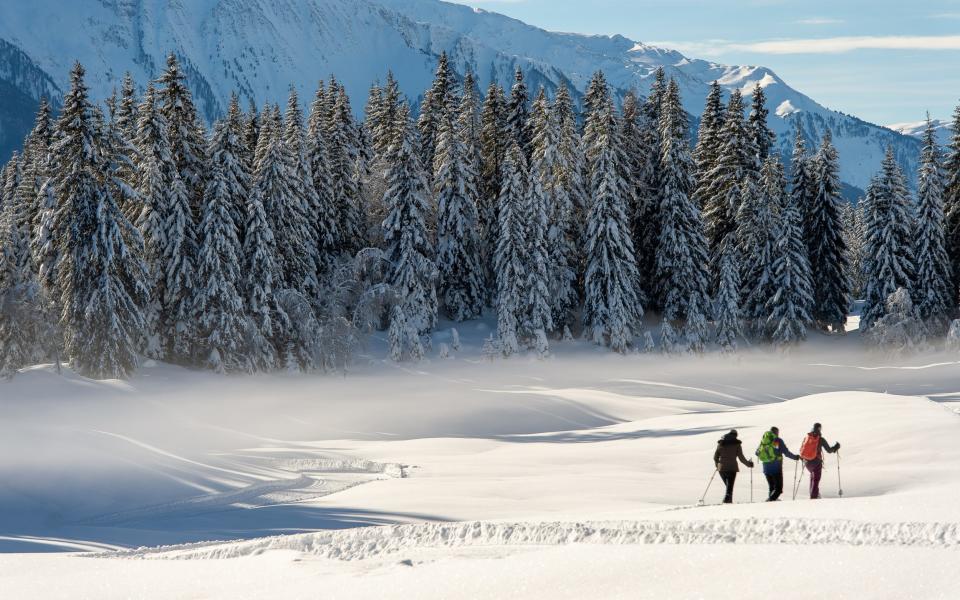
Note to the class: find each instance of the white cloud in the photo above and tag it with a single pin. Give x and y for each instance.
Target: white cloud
(819, 21)
(834, 45)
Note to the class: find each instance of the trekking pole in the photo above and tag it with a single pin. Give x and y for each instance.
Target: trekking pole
(796, 463)
(797, 488)
(751, 485)
(709, 483)
(839, 484)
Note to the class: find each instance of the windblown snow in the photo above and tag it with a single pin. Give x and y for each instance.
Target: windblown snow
(576, 476)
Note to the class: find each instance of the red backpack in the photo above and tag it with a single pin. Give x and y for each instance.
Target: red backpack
(810, 447)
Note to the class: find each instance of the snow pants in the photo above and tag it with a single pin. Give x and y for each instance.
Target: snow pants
(728, 478)
(815, 467)
(774, 485)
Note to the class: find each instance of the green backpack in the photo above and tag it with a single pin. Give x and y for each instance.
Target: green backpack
(767, 452)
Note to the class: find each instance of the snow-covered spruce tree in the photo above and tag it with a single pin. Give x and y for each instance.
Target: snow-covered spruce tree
(853, 239)
(518, 113)
(408, 246)
(460, 279)
(933, 284)
(763, 137)
(185, 132)
(251, 135)
(570, 172)
(802, 184)
(127, 117)
(305, 203)
(888, 219)
(343, 151)
(228, 141)
(266, 323)
(537, 318)
(709, 142)
(37, 148)
(21, 304)
(386, 127)
(652, 109)
(326, 228)
(550, 170)
(469, 127)
(612, 310)
(736, 161)
(726, 307)
(681, 257)
(510, 261)
(46, 251)
(166, 226)
(12, 175)
(951, 206)
(35, 168)
(36, 198)
(493, 138)
(101, 278)
(276, 183)
(595, 101)
(757, 240)
(117, 152)
(155, 174)
(638, 172)
(219, 306)
(824, 224)
(374, 106)
(789, 308)
(438, 101)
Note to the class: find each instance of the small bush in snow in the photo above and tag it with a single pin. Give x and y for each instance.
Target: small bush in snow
(490, 348)
(455, 339)
(953, 336)
(900, 331)
(648, 344)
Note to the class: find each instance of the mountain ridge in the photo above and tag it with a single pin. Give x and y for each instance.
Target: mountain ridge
(261, 47)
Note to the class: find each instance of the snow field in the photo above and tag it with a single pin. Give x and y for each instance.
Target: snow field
(571, 477)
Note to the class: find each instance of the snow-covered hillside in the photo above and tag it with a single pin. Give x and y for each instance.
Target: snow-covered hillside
(261, 47)
(915, 129)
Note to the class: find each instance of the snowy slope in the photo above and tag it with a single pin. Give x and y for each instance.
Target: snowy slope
(944, 129)
(260, 47)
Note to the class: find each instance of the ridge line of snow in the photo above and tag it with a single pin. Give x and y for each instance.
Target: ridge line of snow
(371, 542)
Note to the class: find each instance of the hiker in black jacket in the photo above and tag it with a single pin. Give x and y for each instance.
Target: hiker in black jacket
(729, 451)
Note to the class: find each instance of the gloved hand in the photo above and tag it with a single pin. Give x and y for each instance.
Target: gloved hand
(836, 446)
(750, 463)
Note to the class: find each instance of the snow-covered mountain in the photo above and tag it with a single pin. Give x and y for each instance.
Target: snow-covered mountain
(943, 128)
(261, 47)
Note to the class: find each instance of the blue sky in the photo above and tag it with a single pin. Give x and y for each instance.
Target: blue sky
(886, 61)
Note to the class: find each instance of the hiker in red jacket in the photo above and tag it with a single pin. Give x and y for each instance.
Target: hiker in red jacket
(729, 451)
(811, 451)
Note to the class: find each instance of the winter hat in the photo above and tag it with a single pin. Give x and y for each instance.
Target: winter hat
(732, 433)
(817, 426)
(775, 429)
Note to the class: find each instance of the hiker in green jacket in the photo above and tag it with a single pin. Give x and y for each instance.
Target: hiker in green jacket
(771, 451)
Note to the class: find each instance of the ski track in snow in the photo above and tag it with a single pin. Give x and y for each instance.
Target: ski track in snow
(300, 488)
(374, 542)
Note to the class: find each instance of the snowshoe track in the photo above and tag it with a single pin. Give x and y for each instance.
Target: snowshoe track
(372, 542)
